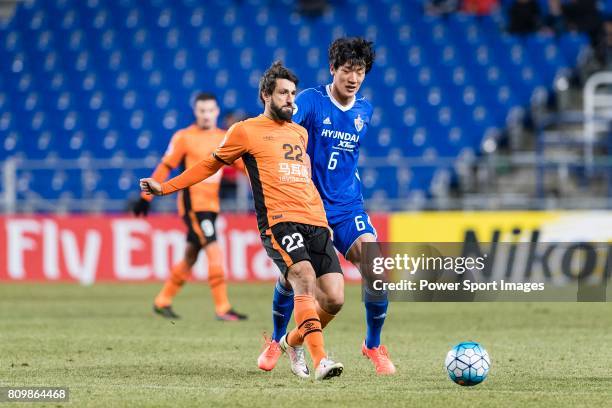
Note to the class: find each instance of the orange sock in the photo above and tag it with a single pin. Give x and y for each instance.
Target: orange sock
(178, 275)
(295, 339)
(216, 279)
(324, 316)
(309, 326)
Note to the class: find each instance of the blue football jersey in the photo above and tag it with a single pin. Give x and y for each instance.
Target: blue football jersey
(334, 134)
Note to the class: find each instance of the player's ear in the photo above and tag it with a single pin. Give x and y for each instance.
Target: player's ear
(332, 70)
(265, 97)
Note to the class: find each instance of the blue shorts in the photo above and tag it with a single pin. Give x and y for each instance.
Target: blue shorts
(349, 226)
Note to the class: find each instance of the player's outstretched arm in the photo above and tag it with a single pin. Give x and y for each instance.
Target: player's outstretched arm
(189, 177)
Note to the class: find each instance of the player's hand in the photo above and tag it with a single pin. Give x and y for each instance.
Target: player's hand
(141, 207)
(150, 186)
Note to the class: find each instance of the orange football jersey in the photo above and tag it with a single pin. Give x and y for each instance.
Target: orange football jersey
(274, 154)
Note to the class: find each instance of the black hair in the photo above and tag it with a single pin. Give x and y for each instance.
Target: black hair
(277, 70)
(204, 96)
(355, 51)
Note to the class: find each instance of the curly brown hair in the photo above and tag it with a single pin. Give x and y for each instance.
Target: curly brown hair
(277, 70)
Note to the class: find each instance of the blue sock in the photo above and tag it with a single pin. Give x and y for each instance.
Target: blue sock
(282, 307)
(376, 312)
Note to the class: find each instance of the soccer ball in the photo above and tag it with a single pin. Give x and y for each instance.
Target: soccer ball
(467, 363)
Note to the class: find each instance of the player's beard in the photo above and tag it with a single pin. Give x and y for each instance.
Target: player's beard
(204, 124)
(281, 114)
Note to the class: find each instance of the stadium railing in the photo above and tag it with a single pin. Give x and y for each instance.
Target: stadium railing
(490, 182)
(26, 186)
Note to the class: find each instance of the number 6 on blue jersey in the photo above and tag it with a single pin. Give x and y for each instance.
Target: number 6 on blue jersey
(359, 223)
(333, 162)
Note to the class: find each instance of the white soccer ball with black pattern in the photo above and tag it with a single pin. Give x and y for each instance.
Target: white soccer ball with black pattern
(467, 363)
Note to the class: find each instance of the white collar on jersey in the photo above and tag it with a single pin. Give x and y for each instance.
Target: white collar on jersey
(335, 102)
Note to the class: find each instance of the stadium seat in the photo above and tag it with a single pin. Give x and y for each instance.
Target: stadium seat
(112, 82)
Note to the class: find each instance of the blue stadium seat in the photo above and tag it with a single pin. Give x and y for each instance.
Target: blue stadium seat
(93, 79)
(572, 45)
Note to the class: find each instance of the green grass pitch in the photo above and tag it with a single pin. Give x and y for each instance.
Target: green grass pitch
(105, 344)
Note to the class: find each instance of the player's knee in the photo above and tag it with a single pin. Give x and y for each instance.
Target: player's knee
(334, 303)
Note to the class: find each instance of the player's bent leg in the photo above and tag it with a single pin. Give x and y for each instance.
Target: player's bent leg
(330, 281)
(329, 300)
(178, 276)
(376, 311)
(298, 266)
(301, 275)
(331, 296)
(302, 278)
(282, 304)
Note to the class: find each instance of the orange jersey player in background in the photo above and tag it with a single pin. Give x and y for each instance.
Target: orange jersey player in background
(198, 205)
(290, 213)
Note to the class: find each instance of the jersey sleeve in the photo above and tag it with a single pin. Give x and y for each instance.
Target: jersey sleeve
(234, 145)
(191, 176)
(175, 151)
(303, 111)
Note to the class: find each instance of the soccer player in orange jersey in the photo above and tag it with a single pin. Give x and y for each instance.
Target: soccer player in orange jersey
(198, 206)
(290, 212)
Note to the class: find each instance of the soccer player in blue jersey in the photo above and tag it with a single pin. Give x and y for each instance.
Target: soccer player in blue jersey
(336, 117)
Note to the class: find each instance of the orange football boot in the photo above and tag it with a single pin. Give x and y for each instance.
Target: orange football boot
(380, 358)
(269, 356)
